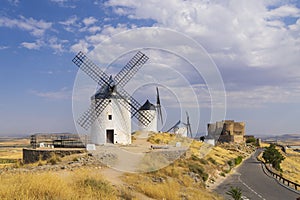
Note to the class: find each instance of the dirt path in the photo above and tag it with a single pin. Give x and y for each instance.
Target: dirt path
(114, 177)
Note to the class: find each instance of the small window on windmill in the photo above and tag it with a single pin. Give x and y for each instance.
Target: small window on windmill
(109, 117)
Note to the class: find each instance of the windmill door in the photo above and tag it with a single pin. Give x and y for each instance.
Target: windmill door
(110, 136)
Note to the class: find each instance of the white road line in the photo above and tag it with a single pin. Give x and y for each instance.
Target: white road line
(260, 196)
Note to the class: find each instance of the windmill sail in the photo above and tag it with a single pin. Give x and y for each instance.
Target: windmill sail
(101, 78)
(188, 125)
(158, 105)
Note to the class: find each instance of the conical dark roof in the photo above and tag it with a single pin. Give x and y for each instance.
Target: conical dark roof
(106, 91)
(148, 106)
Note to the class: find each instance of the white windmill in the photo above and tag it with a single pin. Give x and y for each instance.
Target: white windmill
(181, 128)
(111, 109)
(150, 109)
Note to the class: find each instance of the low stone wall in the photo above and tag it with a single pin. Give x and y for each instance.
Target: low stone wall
(34, 155)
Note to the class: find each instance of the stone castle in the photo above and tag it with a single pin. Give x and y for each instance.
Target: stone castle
(227, 131)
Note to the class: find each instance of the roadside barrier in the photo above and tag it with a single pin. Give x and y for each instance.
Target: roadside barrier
(290, 184)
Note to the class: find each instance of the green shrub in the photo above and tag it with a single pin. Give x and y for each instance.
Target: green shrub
(251, 140)
(196, 168)
(204, 177)
(238, 160)
(235, 193)
(203, 161)
(193, 167)
(54, 159)
(157, 141)
(230, 163)
(213, 161)
(195, 158)
(273, 156)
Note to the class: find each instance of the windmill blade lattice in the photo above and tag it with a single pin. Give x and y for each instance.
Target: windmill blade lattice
(89, 116)
(130, 69)
(134, 106)
(92, 70)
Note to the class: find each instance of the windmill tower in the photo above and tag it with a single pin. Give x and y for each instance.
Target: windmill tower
(114, 121)
(181, 128)
(111, 106)
(150, 109)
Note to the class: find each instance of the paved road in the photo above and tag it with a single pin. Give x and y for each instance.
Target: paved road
(255, 184)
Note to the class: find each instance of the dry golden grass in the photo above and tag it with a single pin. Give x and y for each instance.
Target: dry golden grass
(263, 144)
(221, 156)
(291, 166)
(176, 181)
(11, 153)
(78, 184)
(11, 149)
(176, 185)
(169, 138)
(14, 142)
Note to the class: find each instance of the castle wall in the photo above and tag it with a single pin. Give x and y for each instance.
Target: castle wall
(227, 131)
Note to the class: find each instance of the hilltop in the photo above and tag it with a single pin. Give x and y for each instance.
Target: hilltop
(191, 176)
(282, 138)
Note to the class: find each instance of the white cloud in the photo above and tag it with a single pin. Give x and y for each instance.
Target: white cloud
(32, 45)
(70, 21)
(257, 35)
(64, 3)
(71, 24)
(94, 29)
(56, 44)
(284, 11)
(3, 47)
(35, 27)
(262, 96)
(89, 21)
(235, 33)
(63, 93)
(82, 45)
(53, 43)
(14, 2)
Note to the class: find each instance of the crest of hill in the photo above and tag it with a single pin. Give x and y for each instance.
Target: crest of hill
(199, 168)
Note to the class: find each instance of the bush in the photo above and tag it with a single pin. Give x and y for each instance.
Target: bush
(251, 140)
(273, 156)
(198, 170)
(195, 158)
(235, 193)
(54, 159)
(203, 161)
(204, 177)
(213, 161)
(238, 160)
(230, 163)
(157, 141)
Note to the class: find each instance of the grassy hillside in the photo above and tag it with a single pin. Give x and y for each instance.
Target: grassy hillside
(291, 166)
(189, 175)
(187, 178)
(78, 184)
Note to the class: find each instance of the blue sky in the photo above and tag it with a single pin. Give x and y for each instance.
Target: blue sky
(255, 45)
